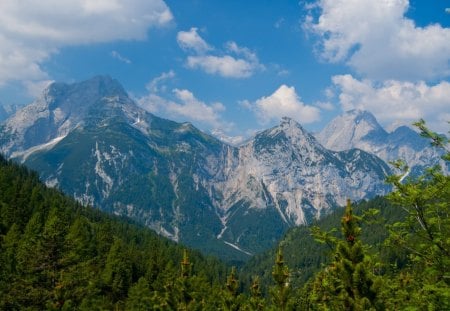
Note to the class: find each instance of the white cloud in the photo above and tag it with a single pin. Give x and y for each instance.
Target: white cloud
(118, 56)
(397, 101)
(194, 109)
(186, 107)
(284, 102)
(325, 106)
(35, 88)
(30, 33)
(191, 40)
(376, 39)
(243, 64)
(232, 140)
(225, 66)
(154, 85)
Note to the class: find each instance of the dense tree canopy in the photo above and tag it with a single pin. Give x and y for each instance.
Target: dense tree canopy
(391, 254)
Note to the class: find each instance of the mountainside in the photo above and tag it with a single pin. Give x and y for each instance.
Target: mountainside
(58, 255)
(7, 110)
(93, 142)
(359, 129)
(284, 177)
(303, 253)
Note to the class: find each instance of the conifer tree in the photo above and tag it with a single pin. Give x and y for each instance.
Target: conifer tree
(256, 299)
(8, 270)
(139, 296)
(348, 283)
(282, 290)
(78, 263)
(231, 299)
(186, 266)
(424, 234)
(117, 274)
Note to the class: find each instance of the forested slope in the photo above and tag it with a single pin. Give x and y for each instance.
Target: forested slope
(305, 255)
(57, 254)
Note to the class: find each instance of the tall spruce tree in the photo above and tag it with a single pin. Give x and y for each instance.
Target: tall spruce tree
(256, 299)
(348, 282)
(231, 299)
(281, 292)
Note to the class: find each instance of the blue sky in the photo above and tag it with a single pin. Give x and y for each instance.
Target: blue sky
(235, 67)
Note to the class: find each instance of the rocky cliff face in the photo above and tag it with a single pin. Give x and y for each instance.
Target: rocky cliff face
(360, 129)
(93, 142)
(286, 173)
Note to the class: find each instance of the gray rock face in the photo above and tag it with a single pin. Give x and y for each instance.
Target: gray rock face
(55, 113)
(93, 142)
(359, 129)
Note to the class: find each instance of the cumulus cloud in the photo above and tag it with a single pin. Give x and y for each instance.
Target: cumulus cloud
(376, 39)
(186, 107)
(155, 86)
(397, 101)
(34, 88)
(325, 106)
(30, 33)
(234, 62)
(225, 66)
(283, 102)
(191, 40)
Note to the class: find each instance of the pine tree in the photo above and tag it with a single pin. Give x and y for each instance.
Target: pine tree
(186, 266)
(424, 234)
(8, 270)
(139, 296)
(231, 299)
(78, 263)
(256, 299)
(117, 274)
(348, 283)
(282, 290)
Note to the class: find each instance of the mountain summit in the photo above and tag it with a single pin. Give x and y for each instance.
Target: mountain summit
(359, 129)
(59, 109)
(93, 142)
(351, 130)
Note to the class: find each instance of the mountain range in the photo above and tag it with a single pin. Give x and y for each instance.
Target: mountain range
(359, 129)
(92, 141)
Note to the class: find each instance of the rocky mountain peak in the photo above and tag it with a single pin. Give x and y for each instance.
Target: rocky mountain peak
(78, 96)
(61, 107)
(359, 129)
(289, 129)
(354, 125)
(92, 141)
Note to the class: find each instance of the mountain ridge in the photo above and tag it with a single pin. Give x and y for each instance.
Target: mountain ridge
(359, 129)
(179, 181)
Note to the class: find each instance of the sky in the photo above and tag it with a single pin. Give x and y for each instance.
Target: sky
(235, 67)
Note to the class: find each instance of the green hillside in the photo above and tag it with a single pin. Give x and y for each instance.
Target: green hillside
(305, 256)
(386, 254)
(57, 254)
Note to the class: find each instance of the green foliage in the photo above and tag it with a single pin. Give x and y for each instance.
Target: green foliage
(347, 283)
(281, 291)
(58, 255)
(425, 233)
(256, 300)
(305, 256)
(231, 300)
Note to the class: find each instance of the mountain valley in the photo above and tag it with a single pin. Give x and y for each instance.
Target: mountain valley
(92, 141)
